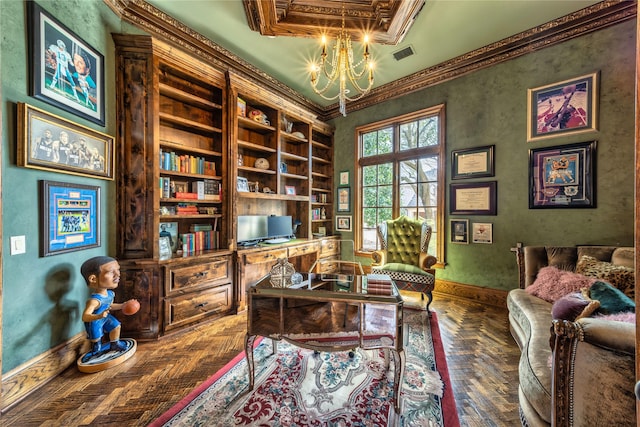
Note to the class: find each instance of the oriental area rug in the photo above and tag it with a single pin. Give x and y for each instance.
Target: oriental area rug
(297, 387)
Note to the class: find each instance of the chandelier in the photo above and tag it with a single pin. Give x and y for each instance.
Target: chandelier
(341, 68)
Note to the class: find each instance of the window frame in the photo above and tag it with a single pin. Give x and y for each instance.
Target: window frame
(396, 157)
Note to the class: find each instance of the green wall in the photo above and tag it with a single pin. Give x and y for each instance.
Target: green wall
(489, 107)
(43, 297)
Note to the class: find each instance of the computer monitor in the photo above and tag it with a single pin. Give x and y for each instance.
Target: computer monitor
(280, 226)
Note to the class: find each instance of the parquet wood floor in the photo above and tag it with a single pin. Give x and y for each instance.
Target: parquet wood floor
(482, 359)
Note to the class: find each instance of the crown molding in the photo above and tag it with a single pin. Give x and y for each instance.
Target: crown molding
(590, 19)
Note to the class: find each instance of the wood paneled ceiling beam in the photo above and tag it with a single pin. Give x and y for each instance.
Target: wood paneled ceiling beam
(386, 22)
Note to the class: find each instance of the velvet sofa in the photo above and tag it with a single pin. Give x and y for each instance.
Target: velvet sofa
(577, 372)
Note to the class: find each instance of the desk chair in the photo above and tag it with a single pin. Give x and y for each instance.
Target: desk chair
(404, 257)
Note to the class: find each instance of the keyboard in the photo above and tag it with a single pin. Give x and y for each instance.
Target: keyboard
(278, 240)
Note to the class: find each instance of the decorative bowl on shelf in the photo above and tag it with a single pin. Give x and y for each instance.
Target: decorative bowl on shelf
(298, 135)
(261, 163)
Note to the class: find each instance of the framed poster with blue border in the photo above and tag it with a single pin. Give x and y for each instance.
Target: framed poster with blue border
(65, 71)
(70, 217)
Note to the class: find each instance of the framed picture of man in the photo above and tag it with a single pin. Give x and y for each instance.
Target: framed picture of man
(65, 71)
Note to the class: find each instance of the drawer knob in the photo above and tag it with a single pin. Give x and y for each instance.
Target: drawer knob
(202, 274)
(201, 305)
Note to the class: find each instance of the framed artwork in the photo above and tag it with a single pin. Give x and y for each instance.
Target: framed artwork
(482, 232)
(50, 142)
(164, 246)
(344, 178)
(170, 231)
(459, 231)
(65, 71)
(563, 108)
(562, 176)
(343, 222)
(290, 190)
(243, 185)
(70, 217)
(478, 198)
(344, 199)
(472, 162)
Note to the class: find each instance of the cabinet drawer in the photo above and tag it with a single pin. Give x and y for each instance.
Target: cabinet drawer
(194, 306)
(303, 250)
(266, 256)
(329, 247)
(211, 273)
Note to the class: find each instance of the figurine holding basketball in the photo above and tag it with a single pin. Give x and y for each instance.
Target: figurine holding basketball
(102, 275)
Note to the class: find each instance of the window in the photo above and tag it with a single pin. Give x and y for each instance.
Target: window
(400, 171)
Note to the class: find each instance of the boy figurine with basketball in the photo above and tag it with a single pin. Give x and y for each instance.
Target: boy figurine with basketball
(102, 274)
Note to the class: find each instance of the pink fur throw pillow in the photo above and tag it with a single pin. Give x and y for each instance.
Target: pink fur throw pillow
(552, 283)
(618, 317)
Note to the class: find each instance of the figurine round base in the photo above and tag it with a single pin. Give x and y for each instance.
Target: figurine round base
(107, 359)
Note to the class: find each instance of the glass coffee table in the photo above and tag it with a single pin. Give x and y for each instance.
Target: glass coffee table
(329, 312)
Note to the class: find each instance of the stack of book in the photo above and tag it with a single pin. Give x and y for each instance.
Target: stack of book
(187, 209)
(379, 284)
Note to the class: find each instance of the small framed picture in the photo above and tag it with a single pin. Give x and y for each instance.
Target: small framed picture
(344, 199)
(472, 162)
(476, 198)
(165, 248)
(343, 222)
(170, 231)
(322, 231)
(344, 178)
(460, 231)
(70, 217)
(289, 190)
(482, 232)
(243, 185)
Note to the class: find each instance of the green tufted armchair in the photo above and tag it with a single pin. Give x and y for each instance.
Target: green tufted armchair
(404, 256)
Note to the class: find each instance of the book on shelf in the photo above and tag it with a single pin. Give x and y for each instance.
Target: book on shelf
(200, 241)
(181, 195)
(185, 163)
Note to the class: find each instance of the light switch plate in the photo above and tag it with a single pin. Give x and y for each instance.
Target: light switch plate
(18, 245)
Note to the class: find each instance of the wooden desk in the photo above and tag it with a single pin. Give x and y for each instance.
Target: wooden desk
(256, 262)
(304, 315)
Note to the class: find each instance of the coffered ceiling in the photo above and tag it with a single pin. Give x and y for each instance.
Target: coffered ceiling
(281, 37)
(386, 22)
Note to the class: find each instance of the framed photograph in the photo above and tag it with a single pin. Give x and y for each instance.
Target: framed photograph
(563, 108)
(65, 71)
(460, 231)
(482, 232)
(344, 199)
(562, 176)
(290, 190)
(343, 222)
(478, 198)
(170, 231)
(344, 178)
(52, 143)
(472, 162)
(70, 217)
(164, 246)
(243, 185)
